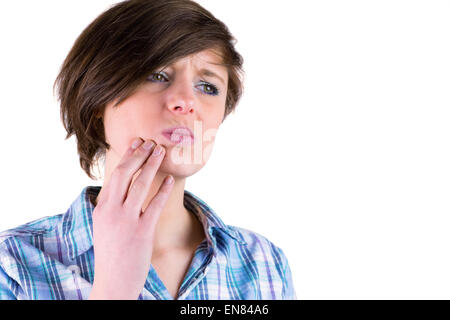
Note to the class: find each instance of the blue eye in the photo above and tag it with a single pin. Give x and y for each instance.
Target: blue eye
(210, 89)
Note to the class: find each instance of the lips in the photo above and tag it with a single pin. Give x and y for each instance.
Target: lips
(179, 134)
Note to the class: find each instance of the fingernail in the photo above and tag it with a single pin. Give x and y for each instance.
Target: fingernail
(148, 145)
(169, 180)
(158, 150)
(136, 143)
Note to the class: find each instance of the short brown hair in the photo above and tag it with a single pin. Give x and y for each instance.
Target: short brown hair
(119, 50)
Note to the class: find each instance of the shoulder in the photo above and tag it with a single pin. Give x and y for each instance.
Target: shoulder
(252, 238)
(27, 231)
(20, 249)
(261, 248)
(265, 261)
(26, 254)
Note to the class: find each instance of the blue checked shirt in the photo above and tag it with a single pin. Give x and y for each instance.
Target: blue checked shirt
(52, 258)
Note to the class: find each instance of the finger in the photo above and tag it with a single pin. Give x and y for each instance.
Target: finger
(133, 159)
(140, 187)
(151, 214)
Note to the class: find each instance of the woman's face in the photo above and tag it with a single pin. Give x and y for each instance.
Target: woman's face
(181, 94)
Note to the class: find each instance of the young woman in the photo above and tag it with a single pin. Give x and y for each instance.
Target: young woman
(145, 87)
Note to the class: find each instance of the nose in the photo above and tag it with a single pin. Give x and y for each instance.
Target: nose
(180, 98)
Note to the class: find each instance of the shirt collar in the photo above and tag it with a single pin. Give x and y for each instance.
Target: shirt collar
(210, 220)
(77, 222)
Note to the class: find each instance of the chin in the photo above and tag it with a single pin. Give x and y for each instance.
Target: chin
(179, 166)
(180, 170)
(185, 160)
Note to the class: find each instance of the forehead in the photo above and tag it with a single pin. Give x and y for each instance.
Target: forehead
(208, 57)
(207, 62)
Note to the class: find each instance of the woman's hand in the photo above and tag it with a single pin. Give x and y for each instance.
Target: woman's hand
(123, 233)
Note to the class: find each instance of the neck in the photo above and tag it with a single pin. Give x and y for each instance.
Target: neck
(177, 227)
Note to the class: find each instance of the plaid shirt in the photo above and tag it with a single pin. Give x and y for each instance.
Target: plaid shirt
(52, 258)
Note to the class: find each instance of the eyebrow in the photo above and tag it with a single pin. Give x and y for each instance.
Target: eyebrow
(209, 73)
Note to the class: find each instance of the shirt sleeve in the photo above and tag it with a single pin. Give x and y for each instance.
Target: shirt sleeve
(288, 285)
(5, 284)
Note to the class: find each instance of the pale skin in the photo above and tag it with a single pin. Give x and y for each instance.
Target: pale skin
(165, 233)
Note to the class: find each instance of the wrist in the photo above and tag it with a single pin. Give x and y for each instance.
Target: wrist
(101, 292)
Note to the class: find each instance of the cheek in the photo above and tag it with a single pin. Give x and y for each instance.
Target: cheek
(209, 135)
(208, 128)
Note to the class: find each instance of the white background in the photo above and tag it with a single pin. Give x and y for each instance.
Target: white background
(338, 151)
